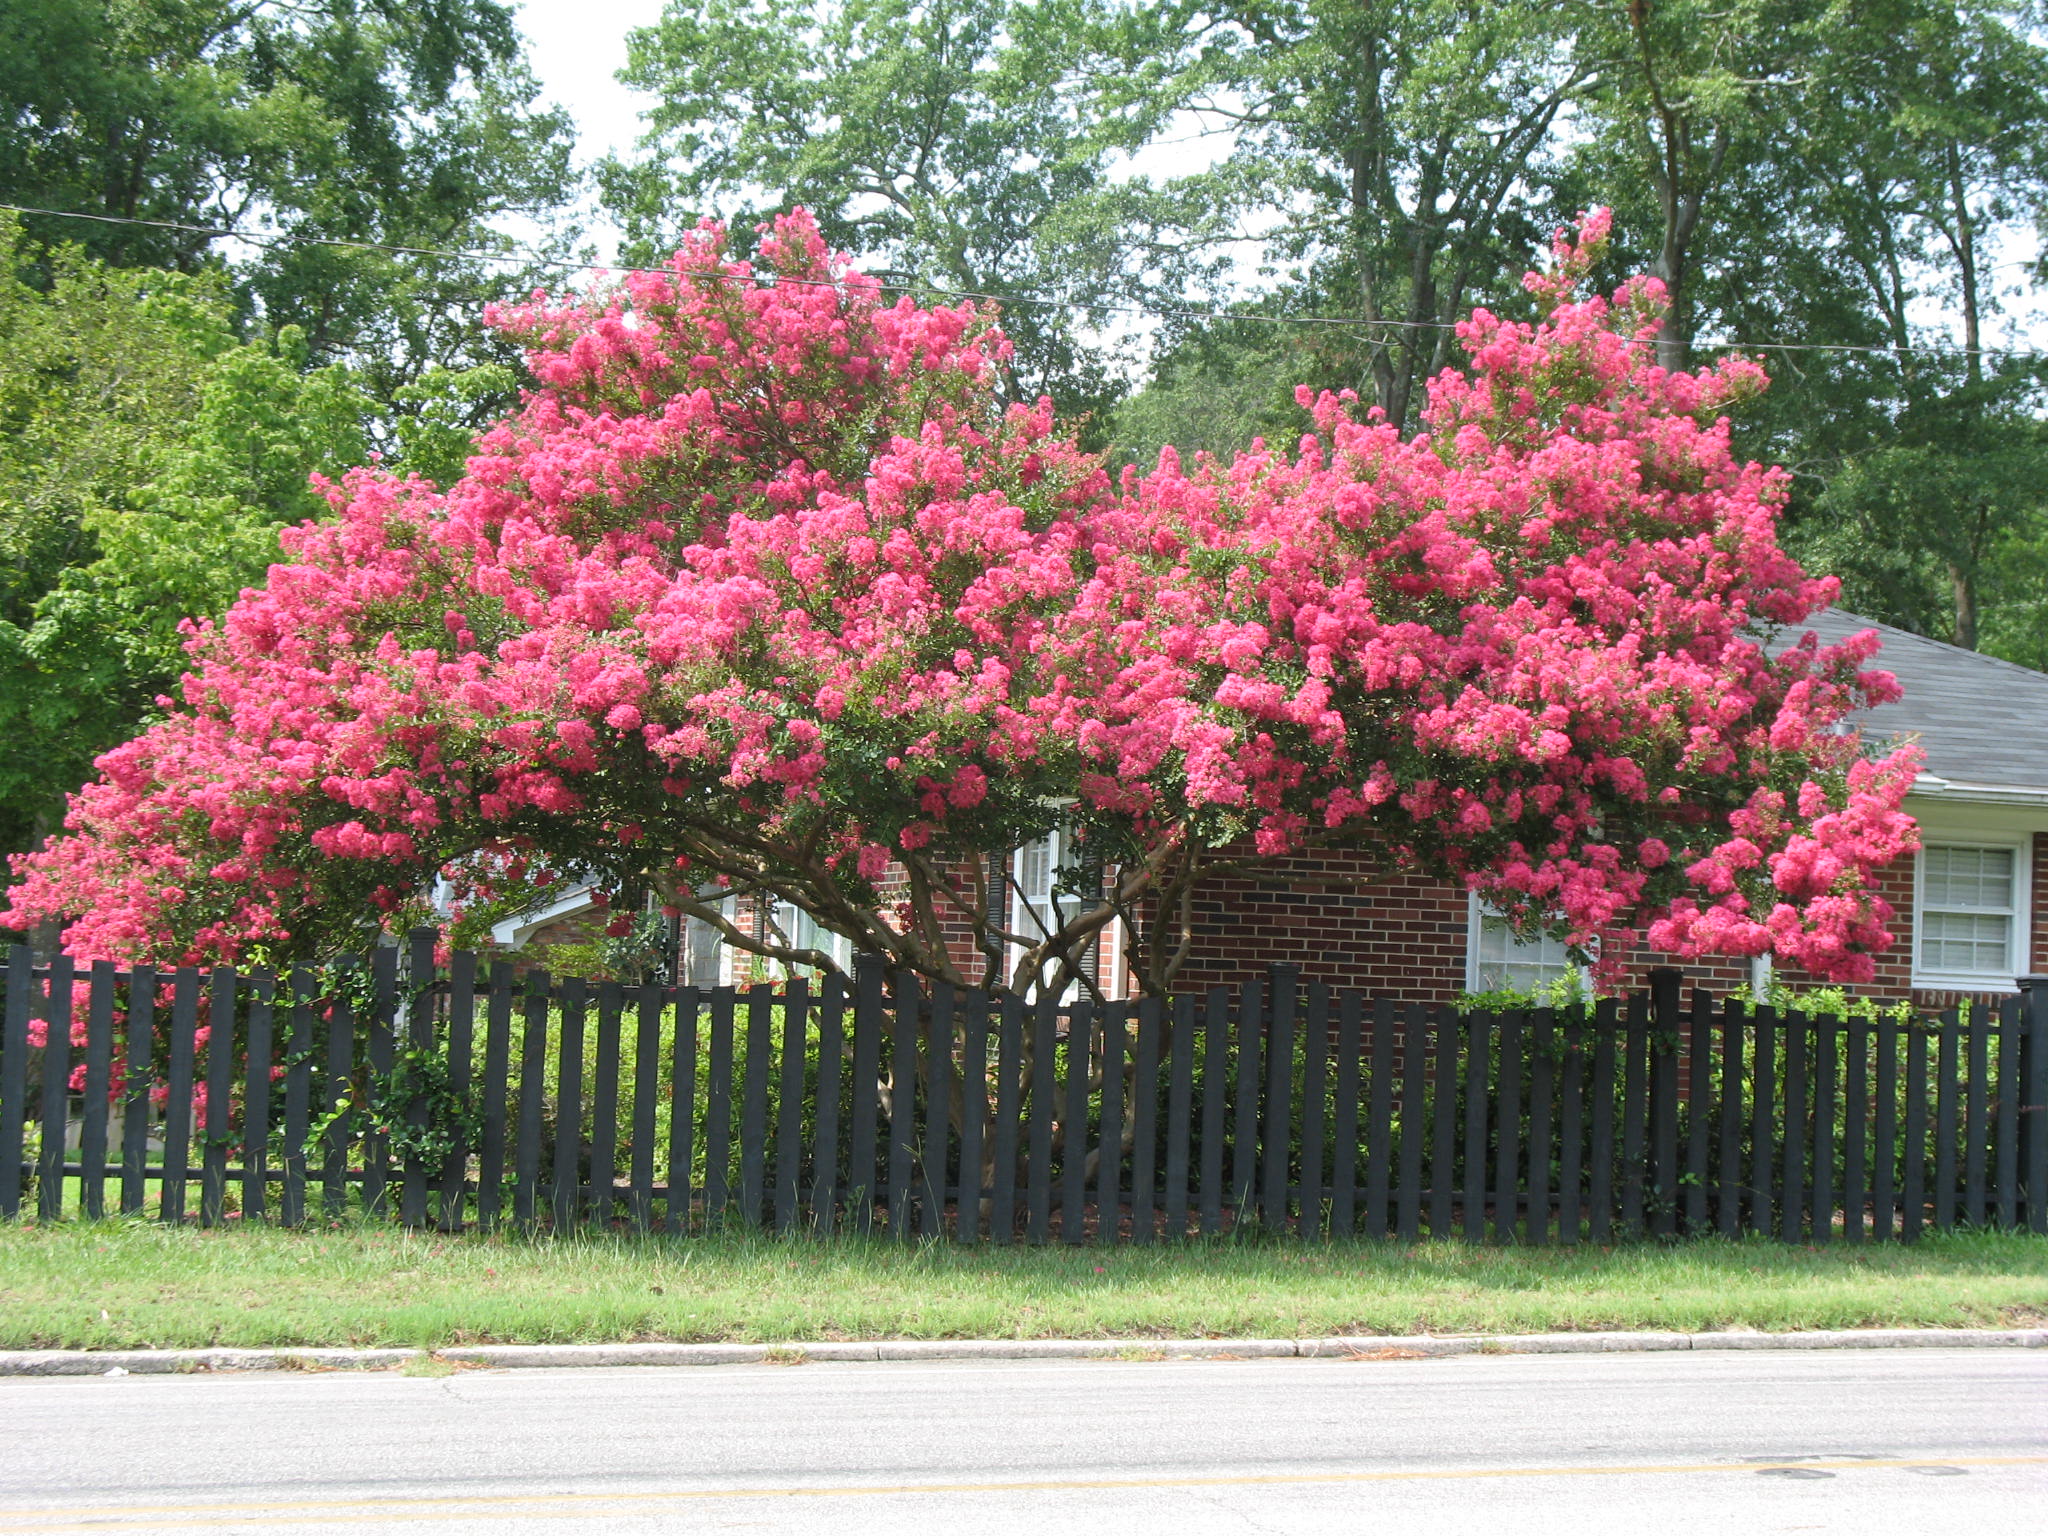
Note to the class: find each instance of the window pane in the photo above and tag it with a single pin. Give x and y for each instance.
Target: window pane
(1506, 961)
(1965, 941)
(1034, 871)
(1968, 877)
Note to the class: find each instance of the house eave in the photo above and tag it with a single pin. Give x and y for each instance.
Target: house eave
(1933, 787)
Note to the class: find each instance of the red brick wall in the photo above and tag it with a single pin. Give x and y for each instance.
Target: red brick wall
(1340, 920)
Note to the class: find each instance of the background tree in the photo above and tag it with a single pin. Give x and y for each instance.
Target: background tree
(395, 122)
(148, 460)
(944, 143)
(1394, 155)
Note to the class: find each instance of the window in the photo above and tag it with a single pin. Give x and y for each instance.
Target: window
(1498, 959)
(1968, 908)
(1038, 868)
(803, 931)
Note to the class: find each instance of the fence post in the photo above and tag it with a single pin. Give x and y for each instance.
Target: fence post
(2033, 1149)
(1665, 1021)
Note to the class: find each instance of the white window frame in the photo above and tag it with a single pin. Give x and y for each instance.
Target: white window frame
(2019, 932)
(1477, 910)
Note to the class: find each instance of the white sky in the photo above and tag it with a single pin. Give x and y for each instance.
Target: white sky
(578, 48)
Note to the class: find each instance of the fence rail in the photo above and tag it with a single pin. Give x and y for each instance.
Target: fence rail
(446, 1097)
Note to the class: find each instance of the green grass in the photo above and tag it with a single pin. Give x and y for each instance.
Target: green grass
(135, 1284)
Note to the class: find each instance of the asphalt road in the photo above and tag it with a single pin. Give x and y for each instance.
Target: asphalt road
(1908, 1441)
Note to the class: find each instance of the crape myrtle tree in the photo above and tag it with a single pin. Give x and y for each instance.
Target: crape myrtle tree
(765, 592)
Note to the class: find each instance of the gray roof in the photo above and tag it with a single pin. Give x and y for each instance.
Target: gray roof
(1981, 721)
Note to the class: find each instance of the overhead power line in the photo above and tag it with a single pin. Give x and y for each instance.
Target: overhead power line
(1350, 322)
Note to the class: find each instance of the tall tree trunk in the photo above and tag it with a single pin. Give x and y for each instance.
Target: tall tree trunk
(1964, 586)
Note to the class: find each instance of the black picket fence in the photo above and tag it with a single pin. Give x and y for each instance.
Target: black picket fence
(445, 1098)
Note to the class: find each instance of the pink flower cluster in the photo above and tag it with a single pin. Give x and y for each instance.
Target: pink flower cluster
(765, 560)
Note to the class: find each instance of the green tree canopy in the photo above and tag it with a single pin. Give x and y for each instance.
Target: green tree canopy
(398, 122)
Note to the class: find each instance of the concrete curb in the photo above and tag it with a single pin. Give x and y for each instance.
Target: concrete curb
(157, 1362)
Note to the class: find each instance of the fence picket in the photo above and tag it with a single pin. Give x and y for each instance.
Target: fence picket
(418, 1009)
(1600, 1160)
(904, 1014)
(1044, 1062)
(1728, 1197)
(1913, 1201)
(718, 1049)
(1855, 1132)
(1571, 1131)
(1414, 1117)
(1763, 1149)
(179, 1069)
(754, 1103)
(1945, 1123)
(1884, 1133)
(1508, 1129)
(490, 1173)
(381, 1052)
(789, 1103)
(56, 1088)
(99, 1065)
(1278, 1124)
(218, 1128)
(1792, 1175)
(1109, 1141)
(601, 1193)
(255, 1098)
(938, 1093)
(1244, 1150)
(2007, 1165)
(1215, 1046)
(1145, 1122)
(2036, 1094)
(1478, 1031)
(974, 1180)
(454, 1181)
(1345, 1140)
(140, 1059)
(1699, 1093)
(21, 980)
(1825, 1039)
(867, 1067)
(1542, 1045)
(2036, 1058)
(533, 1057)
(1179, 1114)
(1443, 1172)
(337, 1096)
(1661, 1053)
(1074, 1121)
(647, 1012)
(1975, 1139)
(825, 1130)
(1635, 1114)
(567, 1184)
(1314, 1108)
(298, 1096)
(1002, 1200)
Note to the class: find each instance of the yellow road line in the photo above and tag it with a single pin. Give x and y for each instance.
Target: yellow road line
(537, 1505)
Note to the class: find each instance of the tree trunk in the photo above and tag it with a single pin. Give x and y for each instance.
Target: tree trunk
(1964, 587)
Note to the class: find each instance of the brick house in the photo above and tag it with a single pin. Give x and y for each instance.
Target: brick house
(1972, 905)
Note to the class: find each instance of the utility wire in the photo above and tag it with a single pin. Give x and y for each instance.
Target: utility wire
(1349, 322)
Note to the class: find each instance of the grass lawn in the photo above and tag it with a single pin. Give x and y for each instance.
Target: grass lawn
(136, 1284)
